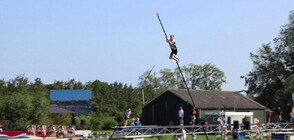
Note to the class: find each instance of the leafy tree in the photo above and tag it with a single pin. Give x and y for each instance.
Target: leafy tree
(285, 44)
(286, 96)
(265, 81)
(207, 77)
(167, 79)
(41, 102)
(73, 84)
(18, 108)
(102, 97)
(20, 83)
(192, 75)
(41, 108)
(148, 78)
(270, 79)
(57, 85)
(3, 87)
(150, 85)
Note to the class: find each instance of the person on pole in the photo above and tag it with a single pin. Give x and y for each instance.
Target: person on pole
(173, 47)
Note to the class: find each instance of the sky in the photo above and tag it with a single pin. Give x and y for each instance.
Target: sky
(120, 40)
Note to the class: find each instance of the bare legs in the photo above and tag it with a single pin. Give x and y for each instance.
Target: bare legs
(173, 56)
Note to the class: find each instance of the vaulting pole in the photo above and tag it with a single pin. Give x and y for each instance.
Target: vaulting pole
(176, 61)
(181, 72)
(161, 26)
(186, 84)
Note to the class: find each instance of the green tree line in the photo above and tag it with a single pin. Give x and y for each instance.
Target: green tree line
(23, 102)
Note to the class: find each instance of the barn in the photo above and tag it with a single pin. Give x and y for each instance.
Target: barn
(163, 110)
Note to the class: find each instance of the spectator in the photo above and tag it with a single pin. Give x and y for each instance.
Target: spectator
(279, 112)
(181, 115)
(1, 129)
(194, 116)
(269, 115)
(127, 116)
(137, 121)
(184, 134)
(292, 116)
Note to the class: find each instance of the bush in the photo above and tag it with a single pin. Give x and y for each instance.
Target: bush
(108, 123)
(95, 124)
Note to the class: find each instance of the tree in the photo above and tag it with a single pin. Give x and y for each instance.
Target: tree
(148, 78)
(3, 87)
(210, 77)
(207, 77)
(41, 102)
(265, 80)
(285, 44)
(167, 79)
(18, 84)
(18, 108)
(150, 85)
(286, 96)
(191, 74)
(270, 79)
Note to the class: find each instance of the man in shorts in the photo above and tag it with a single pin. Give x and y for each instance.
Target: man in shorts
(127, 116)
(173, 47)
(181, 116)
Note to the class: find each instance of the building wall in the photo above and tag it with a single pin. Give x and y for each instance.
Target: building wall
(260, 114)
(164, 110)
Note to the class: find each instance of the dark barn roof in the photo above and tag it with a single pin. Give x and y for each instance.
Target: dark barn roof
(209, 99)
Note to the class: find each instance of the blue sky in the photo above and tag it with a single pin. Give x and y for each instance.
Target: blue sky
(69, 95)
(120, 40)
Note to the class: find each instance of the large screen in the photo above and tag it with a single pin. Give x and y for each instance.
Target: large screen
(78, 101)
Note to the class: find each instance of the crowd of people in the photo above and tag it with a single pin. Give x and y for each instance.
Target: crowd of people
(135, 119)
(271, 116)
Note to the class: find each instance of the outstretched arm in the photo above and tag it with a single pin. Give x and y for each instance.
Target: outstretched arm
(169, 42)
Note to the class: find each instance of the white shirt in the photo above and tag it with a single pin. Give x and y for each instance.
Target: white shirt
(292, 115)
(181, 113)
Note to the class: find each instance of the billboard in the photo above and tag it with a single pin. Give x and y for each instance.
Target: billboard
(78, 101)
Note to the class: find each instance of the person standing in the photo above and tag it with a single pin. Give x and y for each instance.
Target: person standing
(279, 112)
(1, 129)
(194, 115)
(184, 134)
(127, 116)
(181, 115)
(269, 115)
(292, 116)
